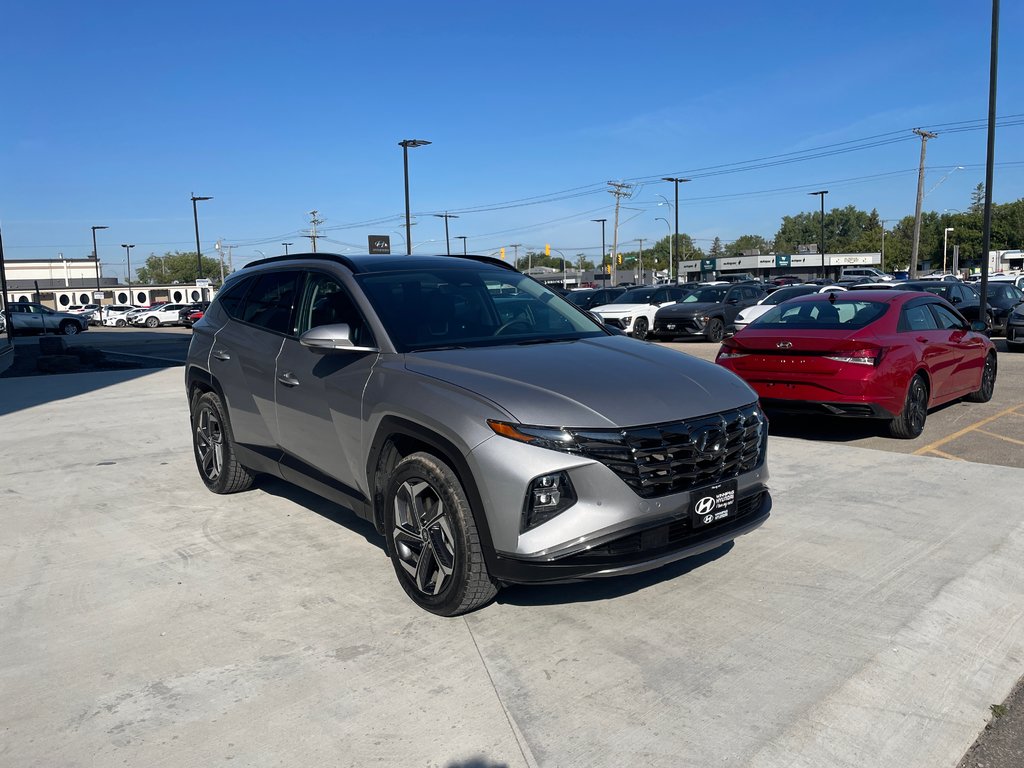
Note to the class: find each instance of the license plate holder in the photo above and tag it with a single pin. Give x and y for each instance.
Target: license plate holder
(713, 504)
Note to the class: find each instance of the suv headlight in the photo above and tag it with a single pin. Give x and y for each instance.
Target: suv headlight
(547, 496)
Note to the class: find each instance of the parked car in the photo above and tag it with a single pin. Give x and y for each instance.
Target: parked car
(475, 418)
(633, 311)
(860, 273)
(785, 293)
(192, 312)
(30, 317)
(1001, 298)
(889, 355)
(709, 311)
(787, 280)
(944, 276)
(588, 298)
(1015, 329)
(116, 315)
(165, 314)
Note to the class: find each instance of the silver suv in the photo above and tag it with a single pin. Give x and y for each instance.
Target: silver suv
(490, 430)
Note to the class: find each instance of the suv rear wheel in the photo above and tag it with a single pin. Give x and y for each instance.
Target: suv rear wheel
(432, 538)
(214, 447)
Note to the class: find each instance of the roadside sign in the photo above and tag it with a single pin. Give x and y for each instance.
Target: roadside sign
(97, 294)
(202, 282)
(379, 243)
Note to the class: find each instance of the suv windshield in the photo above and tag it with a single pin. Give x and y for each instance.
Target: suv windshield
(439, 307)
(785, 294)
(635, 296)
(706, 295)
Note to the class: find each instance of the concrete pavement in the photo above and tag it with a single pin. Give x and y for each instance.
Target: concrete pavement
(145, 621)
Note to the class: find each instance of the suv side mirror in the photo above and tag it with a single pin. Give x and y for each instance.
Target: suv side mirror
(332, 338)
(979, 326)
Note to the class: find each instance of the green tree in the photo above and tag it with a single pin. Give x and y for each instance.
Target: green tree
(844, 229)
(177, 267)
(978, 198)
(717, 249)
(748, 243)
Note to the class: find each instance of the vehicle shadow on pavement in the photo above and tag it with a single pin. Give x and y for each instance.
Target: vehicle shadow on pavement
(18, 393)
(833, 429)
(605, 588)
(327, 509)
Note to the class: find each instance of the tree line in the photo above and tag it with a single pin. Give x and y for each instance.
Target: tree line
(847, 230)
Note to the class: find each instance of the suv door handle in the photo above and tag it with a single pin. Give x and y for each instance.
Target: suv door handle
(220, 354)
(288, 379)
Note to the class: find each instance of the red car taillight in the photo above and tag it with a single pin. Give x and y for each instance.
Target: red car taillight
(729, 351)
(860, 356)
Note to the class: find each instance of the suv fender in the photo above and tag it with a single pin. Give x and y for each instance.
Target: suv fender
(397, 437)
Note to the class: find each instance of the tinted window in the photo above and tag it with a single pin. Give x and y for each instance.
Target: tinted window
(230, 299)
(823, 314)
(784, 294)
(270, 302)
(635, 296)
(328, 303)
(918, 318)
(947, 320)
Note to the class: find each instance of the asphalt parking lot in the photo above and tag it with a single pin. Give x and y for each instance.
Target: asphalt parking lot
(872, 621)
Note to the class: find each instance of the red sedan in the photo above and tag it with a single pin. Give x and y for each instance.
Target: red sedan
(876, 354)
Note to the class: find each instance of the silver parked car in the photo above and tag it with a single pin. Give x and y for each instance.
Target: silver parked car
(29, 317)
(491, 431)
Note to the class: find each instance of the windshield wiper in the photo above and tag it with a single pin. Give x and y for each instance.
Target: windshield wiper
(544, 341)
(439, 348)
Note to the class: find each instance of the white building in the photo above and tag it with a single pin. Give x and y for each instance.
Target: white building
(60, 283)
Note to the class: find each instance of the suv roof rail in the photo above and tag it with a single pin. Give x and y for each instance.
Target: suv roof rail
(354, 265)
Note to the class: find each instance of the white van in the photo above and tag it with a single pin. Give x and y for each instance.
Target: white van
(864, 272)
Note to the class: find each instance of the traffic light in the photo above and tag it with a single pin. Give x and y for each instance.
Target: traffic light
(547, 249)
(608, 269)
(502, 253)
(620, 259)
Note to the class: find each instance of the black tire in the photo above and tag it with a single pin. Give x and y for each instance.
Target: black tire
(715, 330)
(213, 446)
(640, 328)
(120, 323)
(152, 322)
(70, 328)
(988, 382)
(440, 565)
(910, 423)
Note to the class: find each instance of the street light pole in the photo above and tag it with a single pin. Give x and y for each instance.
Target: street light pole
(463, 239)
(405, 144)
(602, 221)
(677, 182)
(195, 218)
(447, 241)
(286, 247)
(95, 255)
(945, 245)
(128, 255)
(821, 193)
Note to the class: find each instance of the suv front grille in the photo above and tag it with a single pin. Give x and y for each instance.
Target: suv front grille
(662, 459)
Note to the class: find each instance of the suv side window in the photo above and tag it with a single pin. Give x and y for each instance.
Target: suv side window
(231, 298)
(918, 318)
(328, 303)
(271, 301)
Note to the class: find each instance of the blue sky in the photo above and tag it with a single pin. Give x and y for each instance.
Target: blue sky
(114, 113)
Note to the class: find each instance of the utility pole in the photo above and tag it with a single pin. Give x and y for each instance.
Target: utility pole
(619, 190)
(314, 222)
(640, 269)
(671, 259)
(986, 230)
(447, 240)
(515, 257)
(925, 135)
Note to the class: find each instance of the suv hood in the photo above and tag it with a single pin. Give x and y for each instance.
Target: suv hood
(609, 310)
(609, 381)
(688, 310)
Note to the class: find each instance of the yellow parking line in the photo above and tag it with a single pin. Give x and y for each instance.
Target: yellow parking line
(944, 455)
(1001, 437)
(932, 446)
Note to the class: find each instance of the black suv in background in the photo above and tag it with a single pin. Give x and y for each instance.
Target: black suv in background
(588, 298)
(708, 311)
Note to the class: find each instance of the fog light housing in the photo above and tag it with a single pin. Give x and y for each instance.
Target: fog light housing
(546, 497)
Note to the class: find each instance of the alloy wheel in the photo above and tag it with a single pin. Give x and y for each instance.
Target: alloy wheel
(210, 444)
(423, 538)
(917, 405)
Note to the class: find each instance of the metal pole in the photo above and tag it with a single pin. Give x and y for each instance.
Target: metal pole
(677, 182)
(986, 238)
(408, 220)
(602, 223)
(821, 193)
(199, 255)
(447, 240)
(3, 295)
(925, 135)
(945, 245)
(286, 248)
(96, 255)
(128, 278)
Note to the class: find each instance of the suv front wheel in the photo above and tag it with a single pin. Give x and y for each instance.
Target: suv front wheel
(214, 447)
(432, 538)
